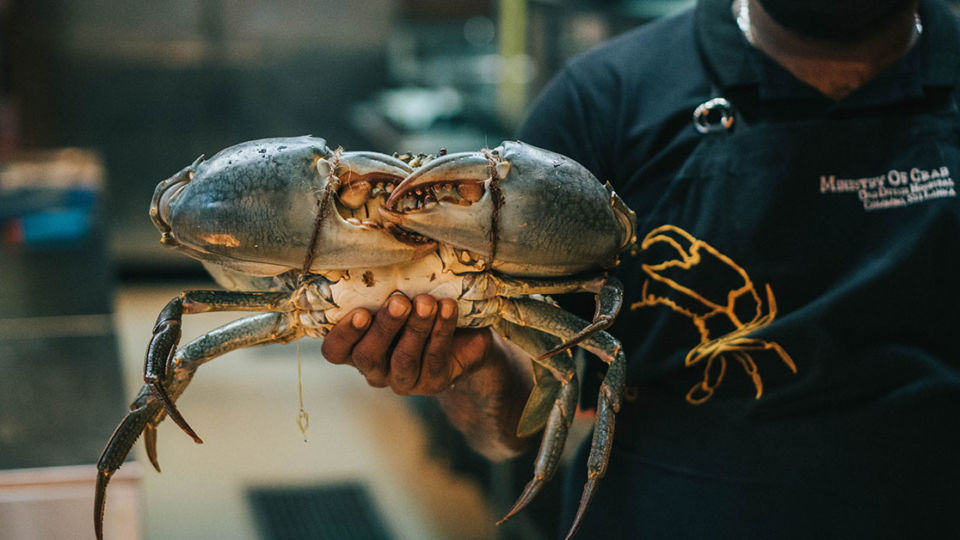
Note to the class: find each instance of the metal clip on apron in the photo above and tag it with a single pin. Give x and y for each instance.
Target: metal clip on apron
(714, 116)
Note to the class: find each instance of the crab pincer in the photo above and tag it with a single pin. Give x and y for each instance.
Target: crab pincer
(166, 336)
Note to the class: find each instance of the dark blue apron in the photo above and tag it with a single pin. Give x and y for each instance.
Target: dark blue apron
(793, 338)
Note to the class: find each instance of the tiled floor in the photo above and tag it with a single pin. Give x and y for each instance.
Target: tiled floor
(244, 406)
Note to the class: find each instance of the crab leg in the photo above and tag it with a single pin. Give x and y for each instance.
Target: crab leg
(146, 411)
(557, 392)
(604, 346)
(609, 299)
(554, 320)
(166, 336)
(607, 291)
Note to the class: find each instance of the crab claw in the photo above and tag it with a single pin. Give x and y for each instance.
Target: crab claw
(351, 233)
(450, 194)
(360, 174)
(516, 207)
(264, 207)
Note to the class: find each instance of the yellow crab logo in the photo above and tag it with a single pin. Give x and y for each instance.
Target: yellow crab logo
(732, 311)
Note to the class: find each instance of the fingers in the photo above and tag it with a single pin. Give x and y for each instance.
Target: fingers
(339, 342)
(405, 362)
(469, 348)
(371, 353)
(436, 372)
(450, 352)
(411, 346)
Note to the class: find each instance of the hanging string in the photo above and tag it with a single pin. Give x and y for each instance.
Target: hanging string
(303, 419)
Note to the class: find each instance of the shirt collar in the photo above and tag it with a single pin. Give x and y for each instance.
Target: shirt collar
(933, 62)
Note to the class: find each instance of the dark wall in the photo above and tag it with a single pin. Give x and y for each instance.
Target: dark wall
(152, 85)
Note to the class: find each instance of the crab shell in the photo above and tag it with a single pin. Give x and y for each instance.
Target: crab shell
(268, 206)
(254, 208)
(541, 213)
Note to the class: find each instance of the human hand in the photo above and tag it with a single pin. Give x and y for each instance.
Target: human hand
(413, 347)
(416, 348)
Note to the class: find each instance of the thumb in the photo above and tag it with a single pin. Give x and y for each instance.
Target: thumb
(469, 350)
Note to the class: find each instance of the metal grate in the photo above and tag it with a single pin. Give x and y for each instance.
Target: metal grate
(329, 512)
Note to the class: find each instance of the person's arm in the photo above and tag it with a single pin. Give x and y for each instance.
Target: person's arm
(480, 381)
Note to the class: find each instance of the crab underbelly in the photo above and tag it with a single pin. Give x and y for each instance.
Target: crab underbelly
(370, 288)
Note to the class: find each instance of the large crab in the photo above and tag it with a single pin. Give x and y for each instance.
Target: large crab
(304, 234)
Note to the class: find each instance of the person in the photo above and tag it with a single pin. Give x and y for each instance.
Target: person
(791, 307)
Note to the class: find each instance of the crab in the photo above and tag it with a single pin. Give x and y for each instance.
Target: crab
(301, 234)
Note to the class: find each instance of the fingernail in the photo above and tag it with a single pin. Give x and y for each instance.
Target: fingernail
(425, 309)
(397, 307)
(446, 309)
(360, 320)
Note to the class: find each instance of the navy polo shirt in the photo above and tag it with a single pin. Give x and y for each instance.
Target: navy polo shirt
(728, 470)
(624, 109)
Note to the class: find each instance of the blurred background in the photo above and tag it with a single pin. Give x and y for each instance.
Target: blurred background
(101, 99)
